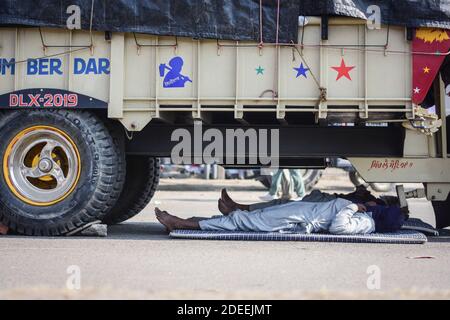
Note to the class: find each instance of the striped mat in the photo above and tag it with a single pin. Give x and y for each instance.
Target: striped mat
(400, 237)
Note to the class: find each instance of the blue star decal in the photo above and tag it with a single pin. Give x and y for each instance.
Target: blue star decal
(301, 71)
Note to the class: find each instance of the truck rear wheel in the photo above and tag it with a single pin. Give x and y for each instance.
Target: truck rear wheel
(142, 178)
(60, 170)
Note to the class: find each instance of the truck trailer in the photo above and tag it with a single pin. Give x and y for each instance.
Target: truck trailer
(85, 114)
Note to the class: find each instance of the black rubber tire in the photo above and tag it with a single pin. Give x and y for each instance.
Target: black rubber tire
(141, 181)
(442, 213)
(266, 181)
(99, 185)
(117, 133)
(310, 178)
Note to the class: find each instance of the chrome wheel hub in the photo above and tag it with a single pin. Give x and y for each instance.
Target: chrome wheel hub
(43, 165)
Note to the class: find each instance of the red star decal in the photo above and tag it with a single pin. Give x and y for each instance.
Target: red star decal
(343, 70)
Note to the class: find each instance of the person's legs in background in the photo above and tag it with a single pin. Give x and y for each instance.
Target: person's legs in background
(299, 185)
(274, 187)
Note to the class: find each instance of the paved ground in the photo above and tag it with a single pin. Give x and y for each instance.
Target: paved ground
(138, 260)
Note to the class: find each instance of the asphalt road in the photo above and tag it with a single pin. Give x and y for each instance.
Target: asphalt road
(138, 260)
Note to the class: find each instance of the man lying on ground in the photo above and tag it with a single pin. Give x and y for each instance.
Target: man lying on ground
(337, 216)
(361, 195)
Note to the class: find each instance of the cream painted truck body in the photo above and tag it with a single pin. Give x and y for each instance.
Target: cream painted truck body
(223, 73)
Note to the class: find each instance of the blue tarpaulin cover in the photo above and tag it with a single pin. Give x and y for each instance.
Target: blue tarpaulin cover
(217, 19)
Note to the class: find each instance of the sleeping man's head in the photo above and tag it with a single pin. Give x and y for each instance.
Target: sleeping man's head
(387, 218)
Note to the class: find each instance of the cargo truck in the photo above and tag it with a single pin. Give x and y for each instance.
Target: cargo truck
(86, 114)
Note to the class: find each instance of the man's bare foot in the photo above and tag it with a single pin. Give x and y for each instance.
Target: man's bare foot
(230, 204)
(166, 219)
(223, 208)
(172, 222)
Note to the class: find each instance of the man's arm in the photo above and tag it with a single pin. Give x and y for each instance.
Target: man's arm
(346, 222)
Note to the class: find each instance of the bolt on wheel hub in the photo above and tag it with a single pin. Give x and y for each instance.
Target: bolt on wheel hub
(45, 165)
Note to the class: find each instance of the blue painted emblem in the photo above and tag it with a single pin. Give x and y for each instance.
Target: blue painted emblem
(173, 78)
